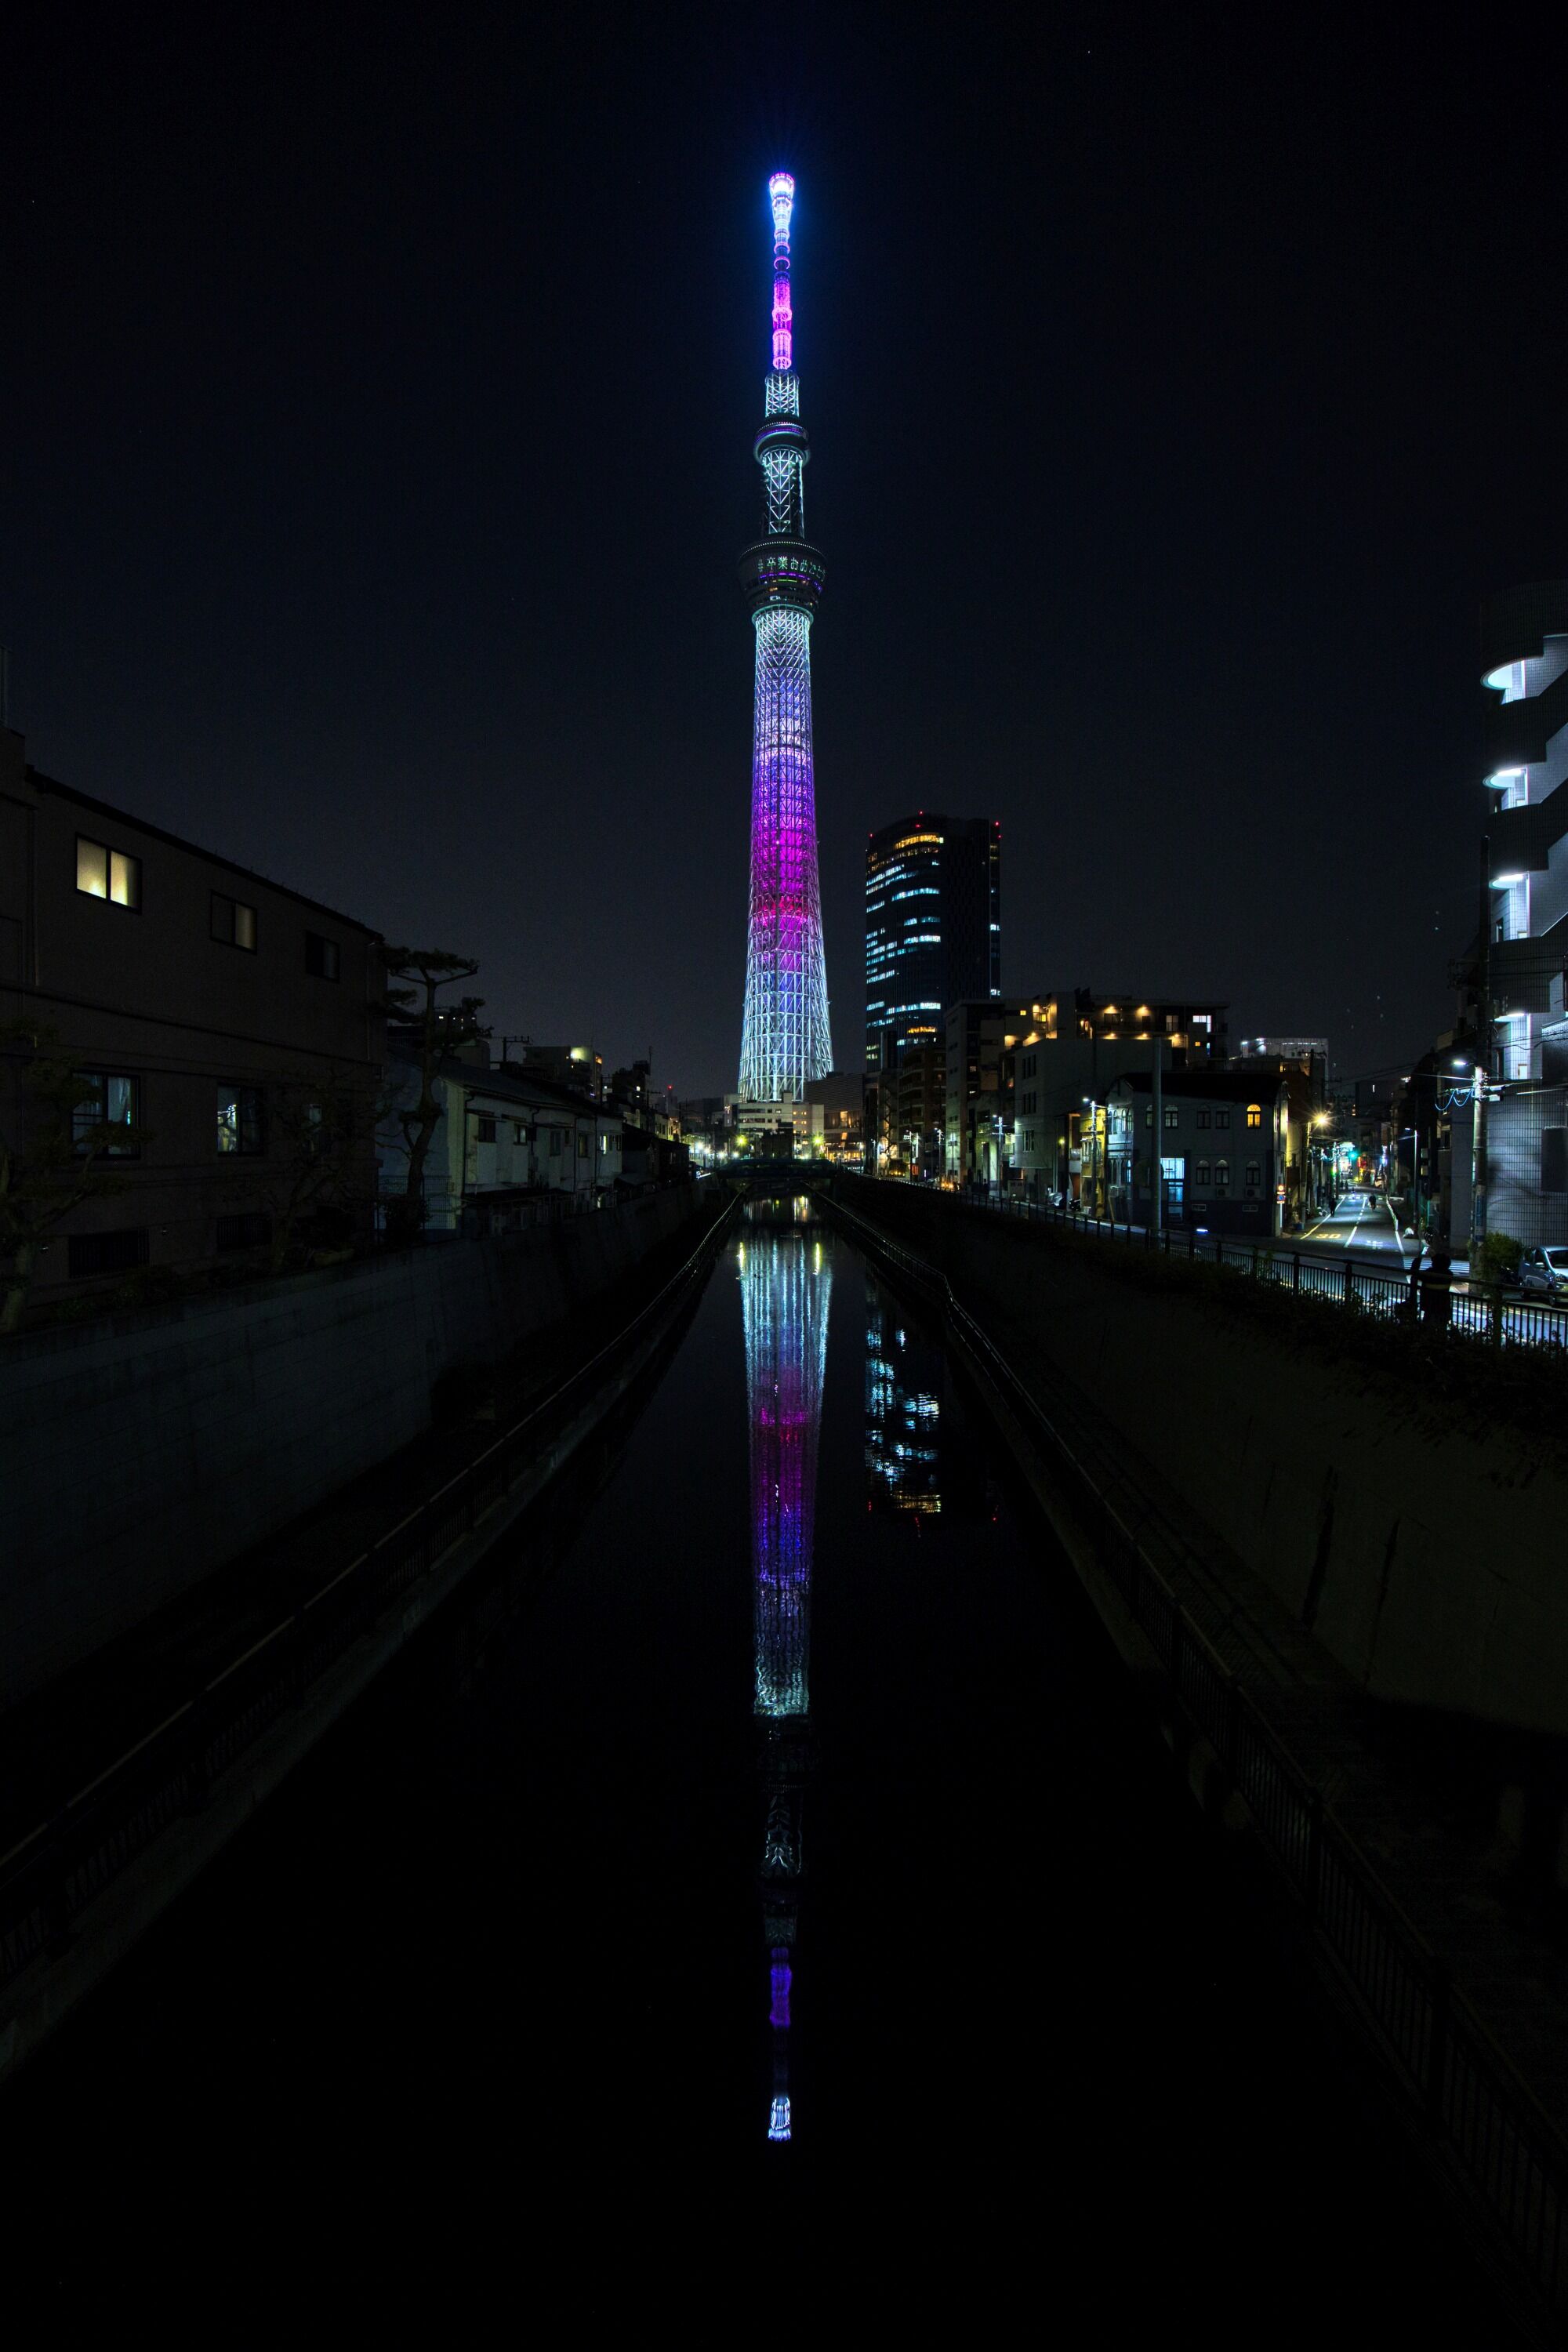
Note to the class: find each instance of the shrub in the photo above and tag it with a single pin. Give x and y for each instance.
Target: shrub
(1500, 1257)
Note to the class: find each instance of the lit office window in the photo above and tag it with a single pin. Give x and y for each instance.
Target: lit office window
(239, 1119)
(108, 1100)
(109, 874)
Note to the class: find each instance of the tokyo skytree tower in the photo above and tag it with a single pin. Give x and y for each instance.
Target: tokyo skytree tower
(784, 1039)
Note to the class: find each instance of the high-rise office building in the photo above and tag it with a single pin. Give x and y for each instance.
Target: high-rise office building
(784, 1037)
(933, 927)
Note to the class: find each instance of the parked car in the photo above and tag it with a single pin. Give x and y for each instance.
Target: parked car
(1545, 1273)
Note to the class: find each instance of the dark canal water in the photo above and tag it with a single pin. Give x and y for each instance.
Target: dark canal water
(758, 1901)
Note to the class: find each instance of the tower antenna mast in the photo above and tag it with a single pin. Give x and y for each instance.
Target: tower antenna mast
(784, 1041)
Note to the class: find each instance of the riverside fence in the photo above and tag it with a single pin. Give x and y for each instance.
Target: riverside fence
(1497, 2139)
(1478, 1310)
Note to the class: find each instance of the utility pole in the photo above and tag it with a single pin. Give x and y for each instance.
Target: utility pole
(1483, 1065)
(1159, 1168)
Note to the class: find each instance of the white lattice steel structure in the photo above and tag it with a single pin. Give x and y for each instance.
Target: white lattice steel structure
(784, 1038)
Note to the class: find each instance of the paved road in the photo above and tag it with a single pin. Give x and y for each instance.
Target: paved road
(1363, 1232)
(1362, 1227)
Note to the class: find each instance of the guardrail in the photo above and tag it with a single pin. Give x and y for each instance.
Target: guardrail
(1479, 1310)
(1502, 2145)
(50, 1876)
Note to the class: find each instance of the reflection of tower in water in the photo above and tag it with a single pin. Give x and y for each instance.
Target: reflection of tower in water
(784, 1281)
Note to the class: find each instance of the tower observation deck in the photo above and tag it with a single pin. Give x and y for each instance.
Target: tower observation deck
(784, 1038)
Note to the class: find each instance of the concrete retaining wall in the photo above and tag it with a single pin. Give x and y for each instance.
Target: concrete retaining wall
(1429, 1556)
(139, 1453)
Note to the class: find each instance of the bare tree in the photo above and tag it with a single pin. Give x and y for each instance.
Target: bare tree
(51, 1158)
(436, 1030)
(321, 1129)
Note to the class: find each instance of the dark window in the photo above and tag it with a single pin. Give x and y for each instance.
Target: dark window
(233, 922)
(487, 1130)
(109, 1100)
(108, 874)
(1172, 1115)
(239, 1119)
(1202, 1117)
(1222, 1118)
(88, 1254)
(321, 956)
(1201, 1175)
(1554, 1159)
(1221, 1174)
(1254, 1173)
(247, 1229)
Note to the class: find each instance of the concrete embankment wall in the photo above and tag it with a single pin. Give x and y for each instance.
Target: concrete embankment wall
(1427, 1552)
(139, 1453)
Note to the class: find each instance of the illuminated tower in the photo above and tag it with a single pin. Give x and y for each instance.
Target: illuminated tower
(784, 1039)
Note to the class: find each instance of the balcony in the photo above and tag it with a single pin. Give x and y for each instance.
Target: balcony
(1521, 973)
(1517, 732)
(1521, 838)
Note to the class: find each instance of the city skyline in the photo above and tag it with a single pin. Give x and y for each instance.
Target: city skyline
(540, 1504)
(1168, 554)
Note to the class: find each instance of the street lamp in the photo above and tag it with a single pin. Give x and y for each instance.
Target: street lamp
(1093, 1110)
(1315, 1165)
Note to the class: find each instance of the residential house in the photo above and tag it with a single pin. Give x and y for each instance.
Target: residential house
(226, 1017)
(1067, 1047)
(1222, 1144)
(507, 1148)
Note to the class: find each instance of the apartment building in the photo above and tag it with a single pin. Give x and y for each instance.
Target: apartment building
(206, 1008)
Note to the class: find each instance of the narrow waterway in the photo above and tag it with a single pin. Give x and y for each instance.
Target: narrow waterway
(764, 1854)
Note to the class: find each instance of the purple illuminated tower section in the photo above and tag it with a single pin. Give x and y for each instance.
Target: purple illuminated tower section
(783, 1038)
(785, 1285)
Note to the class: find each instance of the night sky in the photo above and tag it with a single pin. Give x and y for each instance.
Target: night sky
(376, 424)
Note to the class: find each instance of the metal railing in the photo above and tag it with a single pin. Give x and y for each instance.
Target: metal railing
(1502, 2143)
(48, 1878)
(1477, 1309)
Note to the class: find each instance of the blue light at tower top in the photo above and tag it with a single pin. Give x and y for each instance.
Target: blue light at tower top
(781, 196)
(785, 1040)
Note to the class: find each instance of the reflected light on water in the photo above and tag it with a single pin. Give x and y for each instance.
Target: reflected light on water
(785, 1279)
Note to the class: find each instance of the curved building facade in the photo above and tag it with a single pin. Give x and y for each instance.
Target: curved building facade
(1523, 1014)
(933, 927)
